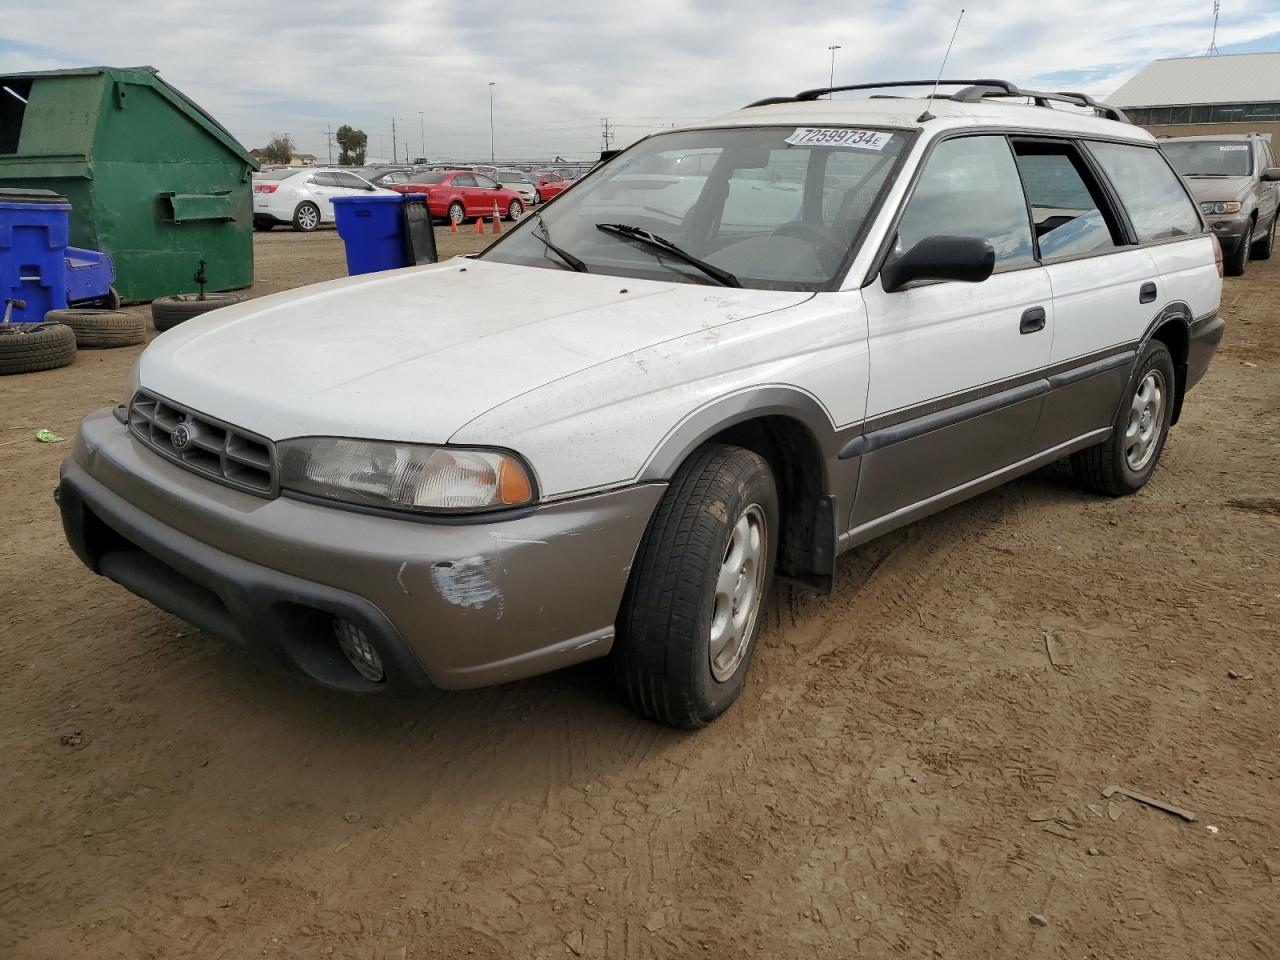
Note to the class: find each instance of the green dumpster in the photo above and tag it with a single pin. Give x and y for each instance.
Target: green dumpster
(153, 180)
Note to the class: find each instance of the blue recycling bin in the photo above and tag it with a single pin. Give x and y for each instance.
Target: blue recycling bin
(33, 244)
(372, 228)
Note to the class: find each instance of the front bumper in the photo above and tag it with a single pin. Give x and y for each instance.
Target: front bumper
(454, 605)
(1231, 230)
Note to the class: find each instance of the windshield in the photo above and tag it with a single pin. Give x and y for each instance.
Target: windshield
(1209, 158)
(433, 176)
(775, 207)
(512, 178)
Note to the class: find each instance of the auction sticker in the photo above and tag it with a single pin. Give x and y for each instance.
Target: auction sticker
(839, 137)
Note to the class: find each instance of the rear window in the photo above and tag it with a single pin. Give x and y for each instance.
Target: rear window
(434, 176)
(1151, 192)
(275, 175)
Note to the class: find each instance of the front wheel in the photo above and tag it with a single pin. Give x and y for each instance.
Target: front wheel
(692, 610)
(1123, 463)
(1262, 249)
(515, 210)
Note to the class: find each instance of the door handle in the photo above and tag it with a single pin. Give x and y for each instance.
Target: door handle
(1147, 292)
(1033, 320)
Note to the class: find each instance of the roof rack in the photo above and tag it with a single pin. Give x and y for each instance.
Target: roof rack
(973, 91)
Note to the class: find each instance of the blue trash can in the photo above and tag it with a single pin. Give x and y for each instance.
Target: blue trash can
(33, 244)
(90, 275)
(372, 229)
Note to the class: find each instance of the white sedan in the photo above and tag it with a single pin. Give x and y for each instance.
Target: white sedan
(303, 198)
(519, 181)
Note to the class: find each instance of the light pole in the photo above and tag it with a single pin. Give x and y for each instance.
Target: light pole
(491, 160)
(422, 136)
(831, 82)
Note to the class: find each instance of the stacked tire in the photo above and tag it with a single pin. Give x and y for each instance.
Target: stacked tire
(28, 347)
(168, 312)
(101, 329)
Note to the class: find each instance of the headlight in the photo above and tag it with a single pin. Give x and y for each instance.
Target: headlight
(404, 476)
(1221, 207)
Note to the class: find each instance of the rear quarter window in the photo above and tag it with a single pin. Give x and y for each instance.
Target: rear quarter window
(1150, 190)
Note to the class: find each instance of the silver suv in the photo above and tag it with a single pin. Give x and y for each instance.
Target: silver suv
(1234, 179)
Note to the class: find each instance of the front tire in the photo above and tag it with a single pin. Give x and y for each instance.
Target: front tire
(693, 607)
(1233, 266)
(1123, 463)
(306, 217)
(1262, 249)
(515, 211)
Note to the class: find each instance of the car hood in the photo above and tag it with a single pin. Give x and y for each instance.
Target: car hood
(413, 355)
(1218, 188)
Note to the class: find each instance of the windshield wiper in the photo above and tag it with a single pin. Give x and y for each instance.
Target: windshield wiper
(723, 277)
(572, 262)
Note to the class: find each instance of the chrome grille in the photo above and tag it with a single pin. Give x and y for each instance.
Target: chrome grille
(204, 445)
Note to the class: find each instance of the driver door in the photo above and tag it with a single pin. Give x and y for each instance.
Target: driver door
(955, 368)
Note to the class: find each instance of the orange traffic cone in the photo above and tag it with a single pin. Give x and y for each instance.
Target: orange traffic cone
(479, 225)
(497, 219)
(453, 225)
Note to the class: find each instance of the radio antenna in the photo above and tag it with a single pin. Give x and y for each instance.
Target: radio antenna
(932, 93)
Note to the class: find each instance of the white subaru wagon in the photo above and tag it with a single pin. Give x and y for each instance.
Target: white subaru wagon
(732, 352)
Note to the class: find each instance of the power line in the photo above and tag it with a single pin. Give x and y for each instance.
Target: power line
(606, 133)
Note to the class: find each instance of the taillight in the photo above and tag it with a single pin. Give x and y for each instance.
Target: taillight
(1217, 253)
(265, 187)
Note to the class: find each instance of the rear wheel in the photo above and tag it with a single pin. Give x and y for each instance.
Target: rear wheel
(456, 212)
(692, 611)
(27, 347)
(1124, 462)
(101, 328)
(168, 312)
(1262, 249)
(306, 218)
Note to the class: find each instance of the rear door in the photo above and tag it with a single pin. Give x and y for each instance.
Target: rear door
(954, 395)
(465, 186)
(324, 186)
(1104, 287)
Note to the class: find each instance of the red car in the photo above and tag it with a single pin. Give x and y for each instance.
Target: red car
(459, 195)
(549, 184)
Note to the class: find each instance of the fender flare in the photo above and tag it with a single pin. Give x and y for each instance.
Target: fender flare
(1171, 312)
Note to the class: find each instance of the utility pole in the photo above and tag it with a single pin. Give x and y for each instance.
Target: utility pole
(393, 139)
(422, 136)
(328, 136)
(831, 81)
(606, 133)
(491, 160)
(1213, 39)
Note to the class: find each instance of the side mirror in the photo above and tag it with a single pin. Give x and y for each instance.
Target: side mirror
(1271, 175)
(967, 259)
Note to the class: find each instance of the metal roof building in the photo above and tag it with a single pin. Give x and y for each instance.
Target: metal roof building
(1225, 93)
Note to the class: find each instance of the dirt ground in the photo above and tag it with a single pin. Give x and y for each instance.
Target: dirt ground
(907, 775)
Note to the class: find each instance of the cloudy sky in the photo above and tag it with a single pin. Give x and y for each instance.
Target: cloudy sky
(298, 66)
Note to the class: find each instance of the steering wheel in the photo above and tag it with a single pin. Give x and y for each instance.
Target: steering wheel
(831, 252)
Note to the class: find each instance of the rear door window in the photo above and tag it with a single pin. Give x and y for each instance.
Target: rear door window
(1068, 208)
(1152, 194)
(970, 188)
(464, 180)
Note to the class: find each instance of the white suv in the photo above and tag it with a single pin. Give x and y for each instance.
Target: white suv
(607, 433)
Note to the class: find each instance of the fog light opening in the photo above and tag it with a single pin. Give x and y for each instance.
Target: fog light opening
(359, 651)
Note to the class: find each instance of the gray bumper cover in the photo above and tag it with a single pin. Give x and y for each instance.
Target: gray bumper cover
(461, 604)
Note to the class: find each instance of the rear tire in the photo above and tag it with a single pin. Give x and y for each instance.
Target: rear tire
(693, 607)
(457, 213)
(101, 328)
(1262, 249)
(28, 347)
(168, 312)
(306, 218)
(1123, 463)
